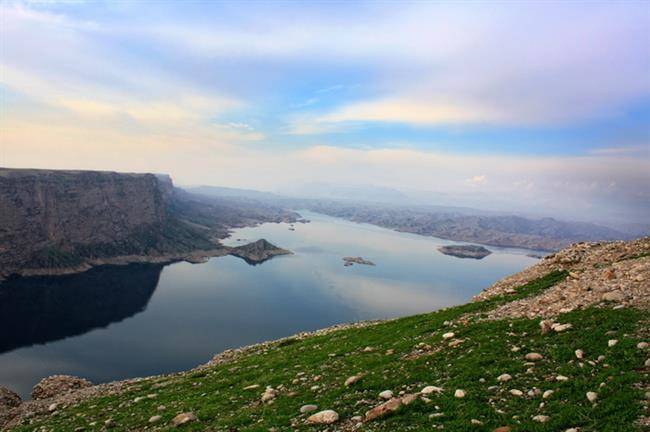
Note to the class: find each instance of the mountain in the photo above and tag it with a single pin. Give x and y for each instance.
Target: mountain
(55, 222)
(495, 230)
(568, 335)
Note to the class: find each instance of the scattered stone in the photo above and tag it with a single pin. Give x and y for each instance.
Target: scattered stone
(545, 326)
(642, 345)
(386, 394)
(57, 385)
(323, 417)
(459, 393)
(308, 408)
(533, 356)
(561, 378)
(368, 349)
(580, 354)
(408, 399)
(476, 422)
(614, 296)
(52, 407)
(353, 379)
(558, 328)
(592, 396)
(252, 387)
(504, 377)
(541, 418)
(448, 335)
(516, 392)
(431, 389)
(384, 409)
(155, 419)
(612, 342)
(184, 418)
(503, 429)
(547, 394)
(269, 394)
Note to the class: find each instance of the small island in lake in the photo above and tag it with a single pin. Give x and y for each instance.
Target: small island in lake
(465, 251)
(348, 261)
(258, 252)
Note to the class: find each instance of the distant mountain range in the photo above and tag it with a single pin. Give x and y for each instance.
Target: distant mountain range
(452, 223)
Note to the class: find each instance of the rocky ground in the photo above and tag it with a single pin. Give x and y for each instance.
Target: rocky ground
(562, 346)
(613, 272)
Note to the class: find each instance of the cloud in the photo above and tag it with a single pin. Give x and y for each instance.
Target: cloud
(477, 180)
(538, 64)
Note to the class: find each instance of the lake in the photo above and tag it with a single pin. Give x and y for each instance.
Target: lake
(117, 322)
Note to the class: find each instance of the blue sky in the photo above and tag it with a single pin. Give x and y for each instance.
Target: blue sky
(547, 103)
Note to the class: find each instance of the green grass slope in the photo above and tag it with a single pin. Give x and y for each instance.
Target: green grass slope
(404, 355)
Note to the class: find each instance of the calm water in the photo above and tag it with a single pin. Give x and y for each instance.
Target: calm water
(122, 321)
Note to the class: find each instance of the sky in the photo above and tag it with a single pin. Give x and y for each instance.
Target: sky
(530, 106)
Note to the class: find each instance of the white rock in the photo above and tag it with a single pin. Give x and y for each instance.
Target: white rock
(580, 354)
(269, 395)
(533, 356)
(431, 389)
(561, 378)
(476, 422)
(308, 408)
(547, 394)
(448, 335)
(504, 377)
(386, 394)
(52, 407)
(155, 419)
(459, 393)
(354, 378)
(612, 342)
(541, 418)
(642, 345)
(592, 396)
(324, 417)
(561, 327)
(516, 392)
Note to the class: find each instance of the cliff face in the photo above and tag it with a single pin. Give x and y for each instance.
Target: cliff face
(60, 218)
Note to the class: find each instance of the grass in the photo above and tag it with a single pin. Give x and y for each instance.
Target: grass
(217, 396)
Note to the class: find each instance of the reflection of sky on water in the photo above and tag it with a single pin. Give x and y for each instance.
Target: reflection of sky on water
(197, 310)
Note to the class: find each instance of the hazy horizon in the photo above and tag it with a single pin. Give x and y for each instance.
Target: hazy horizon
(536, 108)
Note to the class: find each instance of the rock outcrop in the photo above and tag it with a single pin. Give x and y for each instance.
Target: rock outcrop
(58, 385)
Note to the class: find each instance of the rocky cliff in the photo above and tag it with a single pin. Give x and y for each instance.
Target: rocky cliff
(54, 222)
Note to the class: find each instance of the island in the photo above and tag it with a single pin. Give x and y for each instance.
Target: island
(465, 251)
(258, 251)
(348, 261)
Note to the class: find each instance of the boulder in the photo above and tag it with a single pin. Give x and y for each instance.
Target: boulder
(324, 417)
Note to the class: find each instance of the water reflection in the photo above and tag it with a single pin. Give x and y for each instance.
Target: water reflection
(45, 309)
(95, 325)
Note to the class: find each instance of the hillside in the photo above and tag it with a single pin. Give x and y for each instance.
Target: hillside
(561, 346)
(55, 222)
